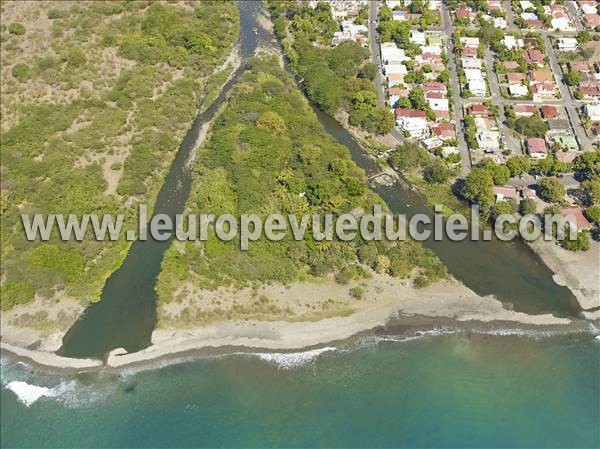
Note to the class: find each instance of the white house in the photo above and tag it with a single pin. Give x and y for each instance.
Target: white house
(500, 22)
(473, 74)
(592, 110)
(487, 140)
(395, 69)
(413, 122)
(567, 43)
(518, 90)
(470, 63)
(509, 42)
(526, 4)
(391, 54)
(433, 49)
(438, 104)
(418, 37)
(562, 24)
(478, 87)
(472, 42)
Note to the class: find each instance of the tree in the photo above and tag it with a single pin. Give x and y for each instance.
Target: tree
(417, 98)
(572, 77)
(436, 172)
(272, 122)
(587, 165)
(591, 191)
(593, 214)
(478, 188)
(583, 37)
(368, 71)
(518, 165)
(532, 126)
(528, 206)
(551, 190)
(502, 208)
(408, 155)
(582, 243)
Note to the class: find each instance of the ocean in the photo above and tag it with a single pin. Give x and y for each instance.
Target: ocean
(442, 390)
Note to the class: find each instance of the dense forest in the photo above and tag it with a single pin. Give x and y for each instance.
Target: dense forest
(268, 153)
(96, 97)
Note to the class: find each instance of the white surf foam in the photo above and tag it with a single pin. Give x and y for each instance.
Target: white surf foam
(288, 360)
(28, 393)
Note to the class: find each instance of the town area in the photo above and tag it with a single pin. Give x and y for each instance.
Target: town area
(505, 93)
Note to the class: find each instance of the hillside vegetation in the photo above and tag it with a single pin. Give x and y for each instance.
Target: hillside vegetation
(96, 97)
(268, 153)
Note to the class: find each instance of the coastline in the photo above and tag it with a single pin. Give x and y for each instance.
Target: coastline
(446, 303)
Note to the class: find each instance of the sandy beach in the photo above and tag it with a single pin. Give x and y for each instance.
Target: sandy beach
(578, 271)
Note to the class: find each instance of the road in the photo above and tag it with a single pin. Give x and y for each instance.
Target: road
(375, 56)
(458, 100)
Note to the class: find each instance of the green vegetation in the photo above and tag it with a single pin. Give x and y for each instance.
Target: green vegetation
(532, 126)
(16, 28)
(551, 190)
(336, 79)
(268, 154)
(103, 137)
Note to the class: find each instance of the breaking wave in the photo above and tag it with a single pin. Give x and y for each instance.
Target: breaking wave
(289, 360)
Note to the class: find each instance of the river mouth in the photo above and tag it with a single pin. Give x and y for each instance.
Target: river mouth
(126, 315)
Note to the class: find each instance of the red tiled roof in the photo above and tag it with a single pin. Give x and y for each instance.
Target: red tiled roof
(590, 91)
(566, 156)
(580, 220)
(536, 145)
(462, 12)
(469, 52)
(506, 192)
(510, 64)
(524, 109)
(444, 130)
(405, 112)
(534, 55)
(441, 114)
(434, 94)
(515, 77)
(580, 66)
(549, 111)
(434, 86)
(591, 20)
(479, 109)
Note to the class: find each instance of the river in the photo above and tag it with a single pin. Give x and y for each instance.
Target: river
(125, 316)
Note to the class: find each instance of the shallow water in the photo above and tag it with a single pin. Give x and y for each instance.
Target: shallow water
(456, 390)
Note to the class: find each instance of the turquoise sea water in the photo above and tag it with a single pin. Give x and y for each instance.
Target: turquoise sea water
(458, 390)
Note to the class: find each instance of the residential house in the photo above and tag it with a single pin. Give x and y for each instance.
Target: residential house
(524, 110)
(435, 87)
(574, 214)
(412, 121)
(515, 78)
(510, 65)
(470, 63)
(537, 148)
(549, 112)
(567, 43)
(444, 131)
(541, 76)
(400, 16)
(579, 66)
(591, 20)
(394, 79)
(472, 42)
(477, 87)
(566, 156)
(565, 141)
(592, 111)
(437, 102)
(505, 193)
(518, 90)
(463, 12)
(418, 37)
(509, 42)
(500, 22)
(432, 143)
(543, 91)
(469, 52)
(478, 110)
(488, 140)
(534, 56)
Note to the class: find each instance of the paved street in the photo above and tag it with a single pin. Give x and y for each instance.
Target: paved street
(375, 56)
(458, 100)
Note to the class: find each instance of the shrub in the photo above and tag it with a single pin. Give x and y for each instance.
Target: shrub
(20, 72)
(357, 292)
(16, 28)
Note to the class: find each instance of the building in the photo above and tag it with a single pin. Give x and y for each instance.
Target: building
(515, 78)
(567, 43)
(469, 52)
(565, 141)
(505, 193)
(478, 110)
(472, 42)
(418, 38)
(509, 42)
(537, 148)
(510, 65)
(518, 90)
(592, 111)
(412, 121)
(534, 56)
(488, 140)
(477, 87)
(541, 76)
(549, 112)
(524, 110)
(591, 20)
(444, 131)
(470, 63)
(574, 214)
